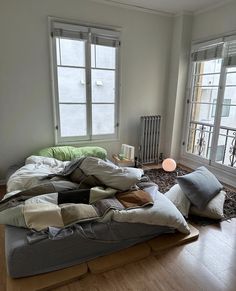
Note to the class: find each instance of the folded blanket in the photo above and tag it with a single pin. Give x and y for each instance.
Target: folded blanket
(135, 198)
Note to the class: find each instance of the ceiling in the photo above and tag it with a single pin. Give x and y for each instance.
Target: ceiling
(168, 6)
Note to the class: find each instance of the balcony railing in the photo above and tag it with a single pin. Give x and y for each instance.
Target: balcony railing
(200, 139)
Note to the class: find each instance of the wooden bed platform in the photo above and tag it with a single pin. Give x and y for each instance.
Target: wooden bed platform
(101, 264)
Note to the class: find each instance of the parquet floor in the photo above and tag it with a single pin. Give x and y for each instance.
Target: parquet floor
(208, 264)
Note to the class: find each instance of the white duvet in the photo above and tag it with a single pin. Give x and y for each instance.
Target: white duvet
(163, 212)
(31, 174)
(37, 167)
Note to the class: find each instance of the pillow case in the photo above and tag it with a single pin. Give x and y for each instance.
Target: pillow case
(68, 153)
(179, 199)
(162, 213)
(200, 186)
(214, 209)
(121, 178)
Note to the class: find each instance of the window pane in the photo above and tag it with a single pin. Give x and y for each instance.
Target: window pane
(225, 108)
(207, 80)
(228, 117)
(231, 69)
(231, 79)
(205, 94)
(103, 57)
(103, 86)
(73, 120)
(227, 135)
(72, 52)
(71, 85)
(103, 118)
(202, 113)
(230, 93)
(199, 139)
(213, 66)
(226, 142)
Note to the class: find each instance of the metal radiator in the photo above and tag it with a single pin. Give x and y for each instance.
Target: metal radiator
(149, 139)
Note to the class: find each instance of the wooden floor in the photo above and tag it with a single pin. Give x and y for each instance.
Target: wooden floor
(206, 264)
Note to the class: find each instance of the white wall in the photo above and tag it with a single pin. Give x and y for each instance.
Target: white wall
(26, 119)
(212, 23)
(181, 43)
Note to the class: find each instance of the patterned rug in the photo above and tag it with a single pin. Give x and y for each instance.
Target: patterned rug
(166, 180)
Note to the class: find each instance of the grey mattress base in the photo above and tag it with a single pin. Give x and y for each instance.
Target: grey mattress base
(87, 242)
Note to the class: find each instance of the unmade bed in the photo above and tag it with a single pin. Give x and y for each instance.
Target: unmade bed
(50, 247)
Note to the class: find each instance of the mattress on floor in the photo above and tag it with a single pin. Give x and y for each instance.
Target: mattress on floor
(87, 242)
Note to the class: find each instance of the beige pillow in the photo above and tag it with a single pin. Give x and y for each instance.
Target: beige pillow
(214, 209)
(179, 199)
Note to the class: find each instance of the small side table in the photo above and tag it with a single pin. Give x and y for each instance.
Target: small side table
(123, 162)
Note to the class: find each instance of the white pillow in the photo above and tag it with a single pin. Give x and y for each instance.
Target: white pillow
(214, 209)
(121, 178)
(179, 199)
(163, 213)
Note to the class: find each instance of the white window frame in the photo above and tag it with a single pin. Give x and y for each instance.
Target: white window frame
(187, 116)
(96, 30)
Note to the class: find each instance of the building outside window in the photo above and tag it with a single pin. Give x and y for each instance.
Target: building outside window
(86, 82)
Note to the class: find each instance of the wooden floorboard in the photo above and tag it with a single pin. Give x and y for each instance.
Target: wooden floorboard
(208, 264)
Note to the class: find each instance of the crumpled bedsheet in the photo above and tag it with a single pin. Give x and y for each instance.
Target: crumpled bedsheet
(162, 212)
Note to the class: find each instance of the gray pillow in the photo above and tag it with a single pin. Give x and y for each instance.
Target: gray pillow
(200, 186)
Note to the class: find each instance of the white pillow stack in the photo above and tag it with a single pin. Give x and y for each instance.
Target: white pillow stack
(213, 210)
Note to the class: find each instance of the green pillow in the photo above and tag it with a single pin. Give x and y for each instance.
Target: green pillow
(68, 153)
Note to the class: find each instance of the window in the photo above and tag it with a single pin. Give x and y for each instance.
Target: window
(225, 109)
(211, 122)
(85, 65)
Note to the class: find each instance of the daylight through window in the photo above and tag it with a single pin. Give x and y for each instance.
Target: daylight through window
(86, 82)
(211, 126)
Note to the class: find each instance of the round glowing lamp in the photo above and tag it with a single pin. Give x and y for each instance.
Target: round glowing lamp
(169, 165)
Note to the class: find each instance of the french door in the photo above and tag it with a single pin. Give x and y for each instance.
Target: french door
(225, 142)
(211, 122)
